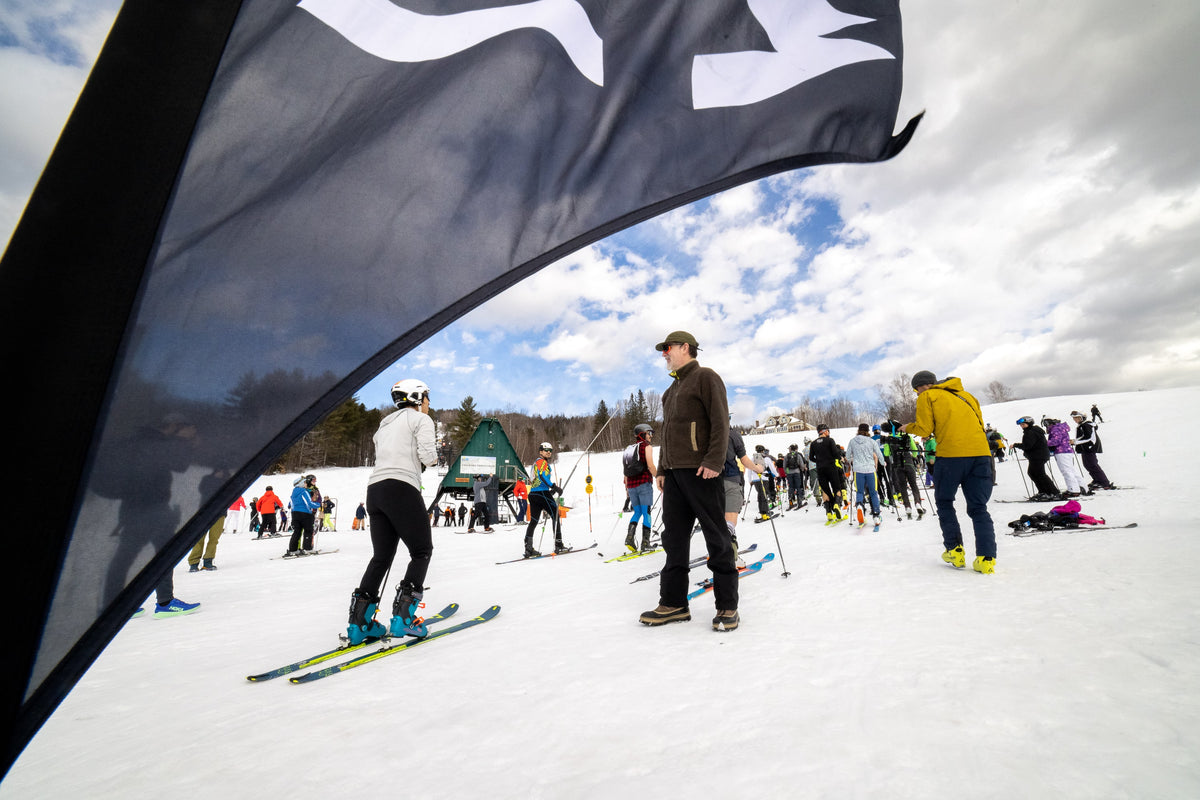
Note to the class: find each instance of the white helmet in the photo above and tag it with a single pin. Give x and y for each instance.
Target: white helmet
(409, 392)
(546, 446)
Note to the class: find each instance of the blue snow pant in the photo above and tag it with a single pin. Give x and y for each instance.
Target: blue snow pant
(974, 475)
(864, 482)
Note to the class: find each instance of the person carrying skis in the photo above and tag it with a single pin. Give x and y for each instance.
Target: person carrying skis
(695, 438)
(1037, 453)
(826, 454)
(541, 501)
(865, 456)
(404, 447)
(946, 410)
(639, 485)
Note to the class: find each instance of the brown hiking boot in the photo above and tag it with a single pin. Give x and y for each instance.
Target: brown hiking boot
(664, 614)
(726, 620)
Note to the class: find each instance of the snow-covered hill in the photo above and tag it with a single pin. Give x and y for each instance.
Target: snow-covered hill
(873, 671)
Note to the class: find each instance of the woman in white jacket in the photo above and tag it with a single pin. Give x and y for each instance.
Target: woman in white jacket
(404, 446)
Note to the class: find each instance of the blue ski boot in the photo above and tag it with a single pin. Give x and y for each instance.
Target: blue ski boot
(363, 627)
(405, 621)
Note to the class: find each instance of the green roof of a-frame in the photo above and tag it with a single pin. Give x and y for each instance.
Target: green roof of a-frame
(487, 452)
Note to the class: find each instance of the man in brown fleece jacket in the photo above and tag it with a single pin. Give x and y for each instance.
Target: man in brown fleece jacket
(695, 435)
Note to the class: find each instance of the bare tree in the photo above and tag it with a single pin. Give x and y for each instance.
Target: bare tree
(998, 392)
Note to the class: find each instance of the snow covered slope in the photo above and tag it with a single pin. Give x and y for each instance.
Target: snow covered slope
(873, 671)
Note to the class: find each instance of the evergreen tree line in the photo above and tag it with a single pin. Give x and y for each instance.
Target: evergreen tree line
(345, 437)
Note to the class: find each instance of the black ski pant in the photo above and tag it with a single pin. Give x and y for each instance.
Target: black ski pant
(302, 526)
(1092, 465)
(268, 524)
(831, 483)
(397, 514)
(1037, 473)
(906, 478)
(687, 499)
(543, 503)
(764, 504)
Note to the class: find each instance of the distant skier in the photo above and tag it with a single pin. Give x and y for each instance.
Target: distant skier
(1096, 414)
(404, 447)
(793, 467)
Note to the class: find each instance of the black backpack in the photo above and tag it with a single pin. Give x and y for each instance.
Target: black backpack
(632, 464)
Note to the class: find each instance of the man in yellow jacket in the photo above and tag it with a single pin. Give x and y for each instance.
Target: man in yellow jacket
(953, 416)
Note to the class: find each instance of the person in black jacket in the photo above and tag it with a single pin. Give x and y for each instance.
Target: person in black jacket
(1037, 453)
(1087, 444)
(826, 454)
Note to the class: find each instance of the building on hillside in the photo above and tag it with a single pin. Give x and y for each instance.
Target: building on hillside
(487, 452)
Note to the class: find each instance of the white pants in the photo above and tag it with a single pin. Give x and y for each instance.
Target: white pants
(1066, 465)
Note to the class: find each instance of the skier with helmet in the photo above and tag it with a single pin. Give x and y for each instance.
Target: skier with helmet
(405, 445)
(1037, 453)
(541, 501)
(638, 463)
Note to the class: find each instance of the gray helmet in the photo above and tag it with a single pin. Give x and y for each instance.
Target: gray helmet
(642, 429)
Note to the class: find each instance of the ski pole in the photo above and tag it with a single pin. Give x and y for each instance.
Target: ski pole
(778, 547)
(585, 452)
(1025, 483)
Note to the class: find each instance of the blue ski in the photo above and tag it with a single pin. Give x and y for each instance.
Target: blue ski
(337, 652)
(391, 648)
(707, 585)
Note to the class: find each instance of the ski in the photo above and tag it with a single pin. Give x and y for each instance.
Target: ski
(550, 555)
(1080, 529)
(774, 515)
(706, 585)
(695, 562)
(306, 555)
(390, 648)
(337, 652)
(631, 556)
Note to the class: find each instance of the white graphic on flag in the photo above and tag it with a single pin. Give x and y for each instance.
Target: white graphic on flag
(397, 34)
(795, 28)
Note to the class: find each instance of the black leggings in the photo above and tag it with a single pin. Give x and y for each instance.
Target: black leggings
(539, 503)
(397, 514)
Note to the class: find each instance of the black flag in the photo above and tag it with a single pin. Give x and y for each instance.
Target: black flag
(259, 205)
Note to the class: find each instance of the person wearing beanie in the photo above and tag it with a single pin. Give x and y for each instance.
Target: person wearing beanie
(947, 411)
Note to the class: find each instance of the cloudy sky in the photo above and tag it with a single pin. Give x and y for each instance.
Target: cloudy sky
(1041, 229)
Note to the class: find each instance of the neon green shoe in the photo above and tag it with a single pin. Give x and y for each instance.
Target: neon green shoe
(986, 566)
(955, 558)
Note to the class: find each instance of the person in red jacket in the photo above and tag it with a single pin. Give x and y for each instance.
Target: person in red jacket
(521, 493)
(268, 505)
(233, 516)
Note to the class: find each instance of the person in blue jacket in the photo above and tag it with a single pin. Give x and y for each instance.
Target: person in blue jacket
(303, 510)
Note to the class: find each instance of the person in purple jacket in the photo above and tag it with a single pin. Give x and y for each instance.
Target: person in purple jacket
(1058, 439)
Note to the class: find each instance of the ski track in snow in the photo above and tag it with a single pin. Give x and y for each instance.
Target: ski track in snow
(875, 670)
